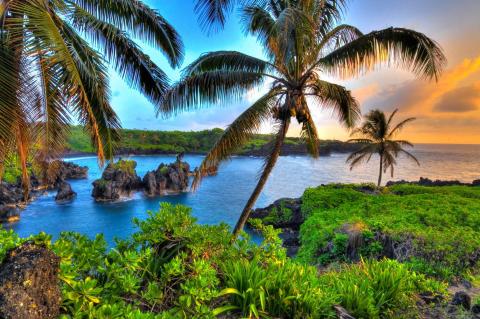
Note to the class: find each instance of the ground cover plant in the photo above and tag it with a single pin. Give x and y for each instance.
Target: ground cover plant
(172, 267)
(435, 229)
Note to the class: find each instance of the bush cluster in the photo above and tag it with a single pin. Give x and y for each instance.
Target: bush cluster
(174, 268)
(438, 224)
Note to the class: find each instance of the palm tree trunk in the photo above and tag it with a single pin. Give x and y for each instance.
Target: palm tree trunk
(381, 169)
(263, 178)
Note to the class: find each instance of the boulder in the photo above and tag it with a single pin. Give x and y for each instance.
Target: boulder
(28, 283)
(283, 213)
(462, 299)
(117, 180)
(8, 214)
(65, 192)
(154, 183)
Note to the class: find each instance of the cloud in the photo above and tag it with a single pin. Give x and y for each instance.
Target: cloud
(464, 99)
(420, 94)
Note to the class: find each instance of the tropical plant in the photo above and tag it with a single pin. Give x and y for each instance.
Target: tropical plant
(377, 138)
(50, 68)
(303, 43)
(155, 139)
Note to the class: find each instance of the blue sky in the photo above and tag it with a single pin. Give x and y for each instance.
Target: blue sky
(453, 24)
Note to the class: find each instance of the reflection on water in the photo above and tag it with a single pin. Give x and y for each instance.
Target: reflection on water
(222, 197)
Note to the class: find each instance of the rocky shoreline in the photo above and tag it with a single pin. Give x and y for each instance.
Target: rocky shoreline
(286, 213)
(287, 150)
(12, 194)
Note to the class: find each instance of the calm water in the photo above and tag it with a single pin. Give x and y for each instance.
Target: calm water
(222, 197)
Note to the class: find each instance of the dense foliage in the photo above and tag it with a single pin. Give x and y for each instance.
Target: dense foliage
(174, 268)
(440, 225)
(175, 141)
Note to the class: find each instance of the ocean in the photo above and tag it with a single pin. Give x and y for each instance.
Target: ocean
(222, 197)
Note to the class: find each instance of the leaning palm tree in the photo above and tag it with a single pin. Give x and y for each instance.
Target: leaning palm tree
(377, 136)
(50, 69)
(303, 43)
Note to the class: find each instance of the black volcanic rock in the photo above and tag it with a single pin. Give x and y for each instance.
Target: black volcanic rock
(155, 183)
(28, 283)
(283, 213)
(172, 178)
(65, 192)
(8, 214)
(437, 183)
(117, 180)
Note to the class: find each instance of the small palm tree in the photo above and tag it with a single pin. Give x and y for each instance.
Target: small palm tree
(143, 136)
(54, 59)
(130, 137)
(303, 43)
(155, 139)
(377, 137)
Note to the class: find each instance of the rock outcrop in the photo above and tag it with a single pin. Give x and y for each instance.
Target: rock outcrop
(154, 182)
(171, 178)
(285, 213)
(119, 179)
(9, 214)
(437, 183)
(65, 192)
(69, 170)
(28, 283)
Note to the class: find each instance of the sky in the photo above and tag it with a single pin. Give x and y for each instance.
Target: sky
(445, 112)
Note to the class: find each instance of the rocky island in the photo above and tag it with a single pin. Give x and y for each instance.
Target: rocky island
(121, 179)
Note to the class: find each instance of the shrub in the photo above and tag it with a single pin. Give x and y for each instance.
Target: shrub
(126, 165)
(441, 225)
(171, 267)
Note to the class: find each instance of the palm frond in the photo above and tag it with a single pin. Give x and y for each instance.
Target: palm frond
(135, 67)
(144, 23)
(399, 127)
(338, 37)
(337, 99)
(227, 61)
(206, 89)
(309, 136)
(212, 14)
(236, 135)
(396, 47)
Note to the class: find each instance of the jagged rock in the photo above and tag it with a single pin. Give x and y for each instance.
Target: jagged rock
(342, 313)
(430, 298)
(28, 283)
(65, 192)
(117, 180)
(8, 214)
(462, 299)
(287, 211)
(68, 170)
(155, 183)
(437, 183)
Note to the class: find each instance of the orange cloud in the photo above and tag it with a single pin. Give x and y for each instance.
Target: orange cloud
(446, 111)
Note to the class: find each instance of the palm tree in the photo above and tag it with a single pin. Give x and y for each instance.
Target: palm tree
(376, 136)
(155, 139)
(303, 43)
(54, 58)
(143, 136)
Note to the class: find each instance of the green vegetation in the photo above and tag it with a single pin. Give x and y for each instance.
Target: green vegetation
(125, 165)
(275, 216)
(304, 45)
(431, 227)
(174, 268)
(175, 141)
